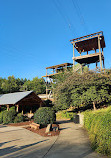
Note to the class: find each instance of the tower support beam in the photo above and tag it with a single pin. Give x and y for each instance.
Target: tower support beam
(99, 47)
(73, 56)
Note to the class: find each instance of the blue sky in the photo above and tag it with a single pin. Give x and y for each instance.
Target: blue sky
(35, 34)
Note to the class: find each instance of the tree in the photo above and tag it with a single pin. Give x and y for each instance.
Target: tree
(84, 89)
(10, 85)
(95, 96)
(37, 85)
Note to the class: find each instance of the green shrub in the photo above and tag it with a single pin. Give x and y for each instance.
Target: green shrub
(98, 125)
(3, 108)
(8, 116)
(18, 118)
(64, 114)
(67, 114)
(12, 110)
(44, 116)
(1, 117)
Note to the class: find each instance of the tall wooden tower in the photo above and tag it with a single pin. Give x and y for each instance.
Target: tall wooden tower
(54, 70)
(89, 44)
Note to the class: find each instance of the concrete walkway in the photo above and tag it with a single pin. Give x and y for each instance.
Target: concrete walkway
(16, 142)
(73, 142)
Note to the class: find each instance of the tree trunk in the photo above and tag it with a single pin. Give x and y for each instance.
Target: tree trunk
(94, 106)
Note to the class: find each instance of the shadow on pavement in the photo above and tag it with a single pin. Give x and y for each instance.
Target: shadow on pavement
(60, 151)
(11, 149)
(8, 142)
(2, 126)
(64, 128)
(63, 121)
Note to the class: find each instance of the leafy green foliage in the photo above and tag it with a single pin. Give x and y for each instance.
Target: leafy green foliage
(1, 117)
(63, 101)
(12, 110)
(9, 85)
(18, 118)
(89, 88)
(64, 115)
(48, 103)
(12, 84)
(98, 125)
(37, 85)
(8, 116)
(44, 116)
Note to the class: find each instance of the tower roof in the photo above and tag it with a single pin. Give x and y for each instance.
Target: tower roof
(88, 42)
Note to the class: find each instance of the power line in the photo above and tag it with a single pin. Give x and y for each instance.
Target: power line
(79, 13)
(64, 16)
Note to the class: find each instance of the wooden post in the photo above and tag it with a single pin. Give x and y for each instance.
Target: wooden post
(52, 90)
(99, 47)
(87, 52)
(95, 50)
(22, 110)
(56, 70)
(17, 108)
(31, 111)
(94, 106)
(7, 107)
(102, 52)
(66, 67)
(103, 64)
(46, 89)
(96, 62)
(88, 66)
(96, 65)
(46, 86)
(40, 104)
(73, 57)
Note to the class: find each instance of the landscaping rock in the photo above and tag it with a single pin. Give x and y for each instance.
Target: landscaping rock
(48, 129)
(55, 129)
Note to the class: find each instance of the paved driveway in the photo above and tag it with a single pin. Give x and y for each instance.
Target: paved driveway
(16, 142)
(19, 142)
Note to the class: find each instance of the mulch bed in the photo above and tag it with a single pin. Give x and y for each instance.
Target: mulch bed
(42, 131)
(21, 123)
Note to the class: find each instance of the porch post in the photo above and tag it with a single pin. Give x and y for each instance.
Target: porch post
(17, 108)
(22, 110)
(7, 107)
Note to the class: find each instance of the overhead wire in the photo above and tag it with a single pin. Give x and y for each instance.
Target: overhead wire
(80, 15)
(71, 26)
(64, 16)
(62, 12)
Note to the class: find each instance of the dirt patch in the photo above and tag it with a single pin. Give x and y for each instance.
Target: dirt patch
(42, 131)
